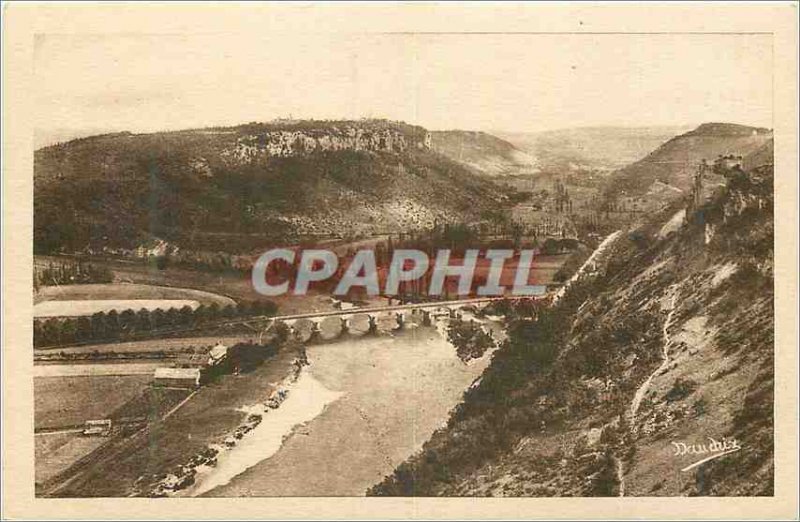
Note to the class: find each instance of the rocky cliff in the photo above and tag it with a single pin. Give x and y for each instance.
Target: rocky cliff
(283, 143)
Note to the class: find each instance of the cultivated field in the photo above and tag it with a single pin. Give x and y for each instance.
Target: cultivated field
(211, 415)
(62, 402)
(176, 345)
(55, 452)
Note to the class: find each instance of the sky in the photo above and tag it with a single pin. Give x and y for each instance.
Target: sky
(503, 82)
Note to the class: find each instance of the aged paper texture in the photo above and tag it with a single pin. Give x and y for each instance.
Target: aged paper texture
(400, 260)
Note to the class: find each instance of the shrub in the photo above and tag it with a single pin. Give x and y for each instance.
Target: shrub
(681, 388)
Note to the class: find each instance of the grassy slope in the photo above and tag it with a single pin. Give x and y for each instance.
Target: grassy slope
(551, 416)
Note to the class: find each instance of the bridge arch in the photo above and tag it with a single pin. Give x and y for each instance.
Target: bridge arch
(359, 323)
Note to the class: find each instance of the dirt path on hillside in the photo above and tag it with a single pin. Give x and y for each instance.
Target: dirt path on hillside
(645, 387)
(588, 264)
(620, 476)
(641, 392)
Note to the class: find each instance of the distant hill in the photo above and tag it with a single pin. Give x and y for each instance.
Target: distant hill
(279, 181)
(592, 147)
(675, 161)
(484, 152)
(53, 136)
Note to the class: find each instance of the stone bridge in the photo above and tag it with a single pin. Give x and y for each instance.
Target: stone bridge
(342, 321)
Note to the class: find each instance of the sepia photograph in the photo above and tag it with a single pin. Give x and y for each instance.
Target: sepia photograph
(404, 261)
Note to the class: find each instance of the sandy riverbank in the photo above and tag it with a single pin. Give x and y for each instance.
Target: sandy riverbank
(394, 391)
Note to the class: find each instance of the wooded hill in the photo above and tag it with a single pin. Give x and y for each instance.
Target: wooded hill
(239, 187)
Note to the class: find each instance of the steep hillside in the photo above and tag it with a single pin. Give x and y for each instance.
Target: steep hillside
(675, 161)
(276, 181)
(486, 153)
(762, 156)
(592, 147)
(657, 357)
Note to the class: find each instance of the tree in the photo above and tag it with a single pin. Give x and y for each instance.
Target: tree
(99, 326)
(143, 320)
(604, 483)
(162, 262)
(84, 329)
(52, 331)
(127, 320)
(172, 317)
(213, 311)
(38, 334)
(228, 312)
(158, 318)
(186, 315)
(201, 314)
(470, 341)
(112, 324)
(68, 331)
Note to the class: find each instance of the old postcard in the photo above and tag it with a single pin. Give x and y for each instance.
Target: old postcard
(370, 260)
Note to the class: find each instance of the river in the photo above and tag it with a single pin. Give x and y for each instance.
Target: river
(358, 410)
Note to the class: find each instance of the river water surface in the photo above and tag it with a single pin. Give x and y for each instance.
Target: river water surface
(361, 408)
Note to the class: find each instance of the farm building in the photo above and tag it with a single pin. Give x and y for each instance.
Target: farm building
(217, 354)
(177, 377)
(100, 427)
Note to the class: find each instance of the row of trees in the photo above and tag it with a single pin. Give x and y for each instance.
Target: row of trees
(115, 325)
